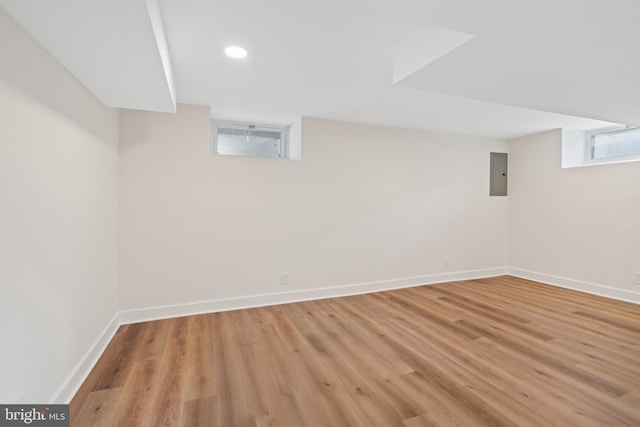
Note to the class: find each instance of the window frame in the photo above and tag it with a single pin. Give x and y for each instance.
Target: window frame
(590, 146)
(283, 151)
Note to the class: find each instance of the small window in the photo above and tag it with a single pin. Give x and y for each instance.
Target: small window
(243, 139)
(619, 143)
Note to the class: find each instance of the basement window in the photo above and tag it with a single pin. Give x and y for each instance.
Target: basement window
(615, 144)
(618, 144)
(250, 140)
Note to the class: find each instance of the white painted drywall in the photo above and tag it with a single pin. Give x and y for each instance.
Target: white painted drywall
(577, 223)
(365, 203)
(58, 219)
(116, 48)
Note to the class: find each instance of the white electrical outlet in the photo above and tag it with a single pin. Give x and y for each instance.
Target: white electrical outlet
(284, 279)
(636, 277)
(447, 262)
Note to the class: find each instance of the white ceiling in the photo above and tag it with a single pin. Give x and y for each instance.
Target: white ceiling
(116, 48)
(495, 68)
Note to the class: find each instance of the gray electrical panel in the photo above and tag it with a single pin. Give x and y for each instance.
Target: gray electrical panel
(498, 167)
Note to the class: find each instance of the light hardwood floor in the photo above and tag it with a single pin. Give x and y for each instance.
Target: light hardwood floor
(492, 352)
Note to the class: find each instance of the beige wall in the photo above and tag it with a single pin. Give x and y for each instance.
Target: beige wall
(58, 219)
(579, 223)
(364, 204)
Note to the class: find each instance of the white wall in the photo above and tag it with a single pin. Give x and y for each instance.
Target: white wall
(364, 204)
(58, 220)
(581, 223)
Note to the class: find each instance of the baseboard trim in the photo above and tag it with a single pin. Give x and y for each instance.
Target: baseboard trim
(165, 312)
(577, 285)
(79, 374)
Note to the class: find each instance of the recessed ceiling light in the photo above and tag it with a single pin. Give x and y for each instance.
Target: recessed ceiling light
(235, 52)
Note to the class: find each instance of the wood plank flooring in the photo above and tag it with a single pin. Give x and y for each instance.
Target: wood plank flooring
(492, 352)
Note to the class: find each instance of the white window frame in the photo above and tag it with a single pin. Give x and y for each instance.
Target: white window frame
(589, 146)
(284, 131)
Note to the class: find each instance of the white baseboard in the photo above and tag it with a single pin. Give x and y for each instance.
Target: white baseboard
(164, 312)
(577, 285)
(75, 379)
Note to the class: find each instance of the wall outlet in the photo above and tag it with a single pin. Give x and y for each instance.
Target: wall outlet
(447, 262)
(636, 277)
(284, 279)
